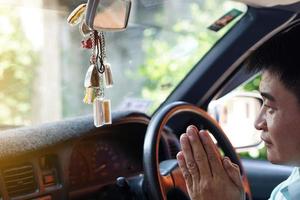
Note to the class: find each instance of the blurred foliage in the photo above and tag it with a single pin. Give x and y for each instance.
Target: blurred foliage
(253, 85)
(169, 59)
(258, 154)
(17, 59)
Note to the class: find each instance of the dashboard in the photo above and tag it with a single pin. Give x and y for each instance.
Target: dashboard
(79, 163)
(101, 159)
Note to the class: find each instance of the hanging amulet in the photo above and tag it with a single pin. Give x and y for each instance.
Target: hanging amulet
(76, 15)
(102, 112)
(92, 84)
(87, 44)
(92, 78)
(84, 29)
(90, 95)
(108, 76)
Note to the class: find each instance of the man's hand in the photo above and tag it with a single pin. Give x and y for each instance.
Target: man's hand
(207, 175)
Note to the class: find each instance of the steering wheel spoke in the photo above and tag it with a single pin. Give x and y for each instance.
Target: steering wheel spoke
(167, 182)
(179, 182)
(171, 176)
(166, 167)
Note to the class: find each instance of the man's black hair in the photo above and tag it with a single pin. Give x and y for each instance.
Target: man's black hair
(280, 56)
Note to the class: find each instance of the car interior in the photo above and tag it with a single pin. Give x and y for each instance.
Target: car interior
(134, 156)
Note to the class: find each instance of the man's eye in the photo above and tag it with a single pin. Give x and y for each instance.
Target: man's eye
(269, 108)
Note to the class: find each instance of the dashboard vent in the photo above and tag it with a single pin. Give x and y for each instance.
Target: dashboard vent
(19, 180)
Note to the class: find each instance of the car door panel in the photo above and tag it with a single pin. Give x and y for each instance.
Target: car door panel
(264, 177)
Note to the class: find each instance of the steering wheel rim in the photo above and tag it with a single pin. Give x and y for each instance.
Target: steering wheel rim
(152, 176)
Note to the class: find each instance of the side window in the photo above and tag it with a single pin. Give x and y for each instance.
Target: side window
(236, 113)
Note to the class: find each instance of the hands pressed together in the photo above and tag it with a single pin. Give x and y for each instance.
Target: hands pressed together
(208, 176)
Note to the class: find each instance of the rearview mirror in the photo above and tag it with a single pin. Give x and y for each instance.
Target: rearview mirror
(236, 114)
(108, 15)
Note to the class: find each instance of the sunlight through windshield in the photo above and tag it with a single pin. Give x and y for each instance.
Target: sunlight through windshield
(42, 64)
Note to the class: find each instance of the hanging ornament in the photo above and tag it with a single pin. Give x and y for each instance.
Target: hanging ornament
(76, 15)
(108, 76)
(92, 84)
(87, 43)
(107, 67)
(102, 107)
(84, 29)
(102, 111)
(99, 74)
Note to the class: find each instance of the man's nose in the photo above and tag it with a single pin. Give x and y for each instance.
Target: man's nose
(260, 123)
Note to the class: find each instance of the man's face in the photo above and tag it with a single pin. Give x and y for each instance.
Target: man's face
(279, 120)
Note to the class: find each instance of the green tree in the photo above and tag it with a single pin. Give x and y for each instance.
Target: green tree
(167, 59)
(252, 85)
(17, 66)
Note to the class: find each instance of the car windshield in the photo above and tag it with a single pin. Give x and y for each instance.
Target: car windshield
(42, 64)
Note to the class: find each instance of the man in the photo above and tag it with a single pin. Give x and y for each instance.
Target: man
(208, 176)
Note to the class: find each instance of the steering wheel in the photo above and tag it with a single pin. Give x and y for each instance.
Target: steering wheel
(162, 177)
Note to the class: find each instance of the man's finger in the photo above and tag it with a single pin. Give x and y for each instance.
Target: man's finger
(199, 154)
(233, 172)
(185, 172)
(212, 153)
(189, 158)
